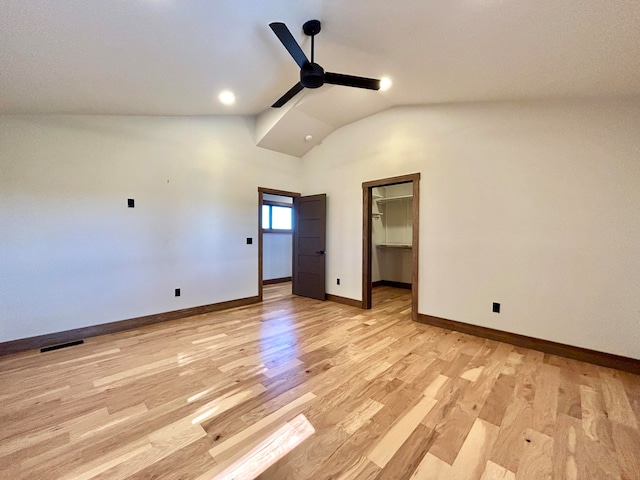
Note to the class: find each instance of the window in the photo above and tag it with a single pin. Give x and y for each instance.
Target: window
(276, 217)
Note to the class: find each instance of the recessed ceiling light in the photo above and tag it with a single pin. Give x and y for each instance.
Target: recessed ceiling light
(308, 138)
(385, 83)
(227, 97)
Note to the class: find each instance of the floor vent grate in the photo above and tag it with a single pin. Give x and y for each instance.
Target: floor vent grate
(62, 345)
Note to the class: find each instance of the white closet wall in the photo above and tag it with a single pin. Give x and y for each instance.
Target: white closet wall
(392, 233)
(377, 234)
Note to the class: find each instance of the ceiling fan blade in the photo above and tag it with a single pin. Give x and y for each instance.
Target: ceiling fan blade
(283, 33)
(297, 88)
(351, 81)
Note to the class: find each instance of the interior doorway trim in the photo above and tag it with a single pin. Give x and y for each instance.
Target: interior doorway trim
(261, 192)
(367, 211)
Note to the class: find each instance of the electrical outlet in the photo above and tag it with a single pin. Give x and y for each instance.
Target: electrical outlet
(131, 202)
(338, 281)
(249, 240)
(177, 292)
(496, 307)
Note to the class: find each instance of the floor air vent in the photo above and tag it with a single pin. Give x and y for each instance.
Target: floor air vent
(62, 345)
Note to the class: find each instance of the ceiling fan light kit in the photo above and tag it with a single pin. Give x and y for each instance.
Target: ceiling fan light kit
(313, 75)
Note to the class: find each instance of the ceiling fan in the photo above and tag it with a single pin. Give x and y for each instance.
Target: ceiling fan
(313, 75)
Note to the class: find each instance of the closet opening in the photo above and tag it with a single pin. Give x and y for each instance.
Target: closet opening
(390, 234)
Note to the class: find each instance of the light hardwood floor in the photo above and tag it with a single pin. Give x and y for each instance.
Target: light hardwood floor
(388, 398)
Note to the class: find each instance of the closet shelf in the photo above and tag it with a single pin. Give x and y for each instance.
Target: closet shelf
(392, 199)
(394, 245)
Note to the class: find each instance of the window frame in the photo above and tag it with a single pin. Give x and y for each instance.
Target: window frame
(270, 204)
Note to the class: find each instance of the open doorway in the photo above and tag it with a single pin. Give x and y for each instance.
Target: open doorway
(275, 237)
(392, 242)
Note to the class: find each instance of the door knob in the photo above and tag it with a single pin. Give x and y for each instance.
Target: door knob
(320, 252)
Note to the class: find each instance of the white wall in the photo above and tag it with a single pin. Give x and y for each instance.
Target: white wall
(533, 205)
(72, 254)
(277, 255)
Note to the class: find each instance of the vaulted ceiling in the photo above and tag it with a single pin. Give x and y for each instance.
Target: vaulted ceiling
(173, 57)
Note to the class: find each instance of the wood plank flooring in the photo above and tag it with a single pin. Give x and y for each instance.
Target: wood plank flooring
(387, 398)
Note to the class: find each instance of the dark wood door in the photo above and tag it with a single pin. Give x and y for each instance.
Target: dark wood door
(309, 246)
